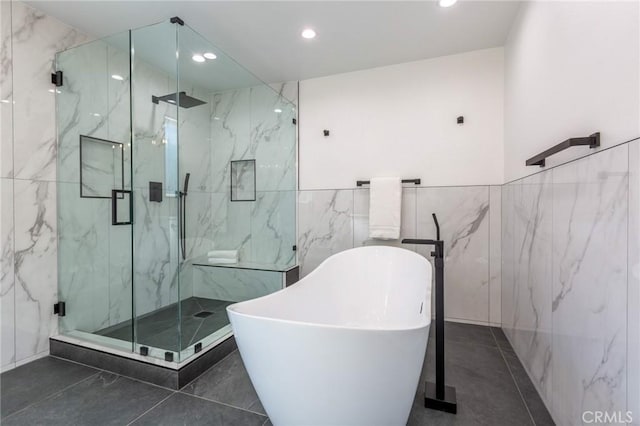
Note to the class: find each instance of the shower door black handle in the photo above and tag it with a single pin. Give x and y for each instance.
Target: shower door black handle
(120, 194)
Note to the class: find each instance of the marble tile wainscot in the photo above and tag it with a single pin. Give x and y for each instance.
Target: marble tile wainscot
(330, 221)
(570, 294)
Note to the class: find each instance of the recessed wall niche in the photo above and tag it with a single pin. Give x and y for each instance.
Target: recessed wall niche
(243, 180)
(101, 167)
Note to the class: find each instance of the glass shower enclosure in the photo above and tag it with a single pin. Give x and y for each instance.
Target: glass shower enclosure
(167, 151)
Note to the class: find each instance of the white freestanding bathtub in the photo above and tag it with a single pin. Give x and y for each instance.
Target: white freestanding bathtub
(345, 345)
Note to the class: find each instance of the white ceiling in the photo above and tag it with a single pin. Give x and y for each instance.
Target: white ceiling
(264, 36)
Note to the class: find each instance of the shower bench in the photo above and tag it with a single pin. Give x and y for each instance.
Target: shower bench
(240, 281)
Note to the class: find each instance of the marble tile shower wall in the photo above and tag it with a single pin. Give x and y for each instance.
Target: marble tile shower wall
(334, 220)
(245, 125)
(29, 41)
(570, 282)
(155, 238)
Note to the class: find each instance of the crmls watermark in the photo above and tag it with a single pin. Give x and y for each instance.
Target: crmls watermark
(606, 417)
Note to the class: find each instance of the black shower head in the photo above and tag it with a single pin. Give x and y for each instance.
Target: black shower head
(184, 100)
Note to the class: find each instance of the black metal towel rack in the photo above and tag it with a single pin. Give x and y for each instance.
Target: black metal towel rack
(367, 182)
(539, 160)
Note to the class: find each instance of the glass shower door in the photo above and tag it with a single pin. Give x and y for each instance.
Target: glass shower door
(94, 175)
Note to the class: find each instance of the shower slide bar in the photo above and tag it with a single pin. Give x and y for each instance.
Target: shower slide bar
(539, 160)
(367, 182)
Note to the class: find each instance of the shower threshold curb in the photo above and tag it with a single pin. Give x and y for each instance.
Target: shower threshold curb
(140, 370)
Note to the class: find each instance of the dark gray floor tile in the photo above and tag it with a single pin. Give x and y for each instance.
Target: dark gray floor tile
(531, 397)
(464, 333)
(421, 416)
(182, 409)
(104, 399)
(501, 339)
(35, 381)
(484, 386)
(229, 383)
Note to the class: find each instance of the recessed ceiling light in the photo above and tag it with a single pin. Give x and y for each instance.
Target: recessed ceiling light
(308, 33)
(446, 3)
(171, 101)
(95, 114)
(117, 77)
(210, 55)
(277, 110)
(5, 101)
(198, 57)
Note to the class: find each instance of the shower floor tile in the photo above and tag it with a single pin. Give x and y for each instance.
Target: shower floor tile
(159, 329)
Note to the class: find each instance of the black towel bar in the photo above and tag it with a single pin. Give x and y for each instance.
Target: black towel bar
(367, 182)
(539, 160)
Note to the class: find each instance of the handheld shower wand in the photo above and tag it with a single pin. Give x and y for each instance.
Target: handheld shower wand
(186, 184)
(183, 212)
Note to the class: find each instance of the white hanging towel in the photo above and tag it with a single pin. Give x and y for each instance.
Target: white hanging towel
(385, 199)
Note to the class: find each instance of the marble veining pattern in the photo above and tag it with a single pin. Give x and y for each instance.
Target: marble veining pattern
(531, 322)
(331, 221)
(36, 38)
(234, 285)
(95, 273)
(325, 226)
(6, 91)
(590, 202)
(29, 41)
(35, 263)
(495, 255)
(7, 288)
(569, 282)
(463, 214)
(507, 294)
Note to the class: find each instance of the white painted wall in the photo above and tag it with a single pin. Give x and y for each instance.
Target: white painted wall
(400, 120)
(571, 68)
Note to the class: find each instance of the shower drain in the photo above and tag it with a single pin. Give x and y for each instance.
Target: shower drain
(203, 314)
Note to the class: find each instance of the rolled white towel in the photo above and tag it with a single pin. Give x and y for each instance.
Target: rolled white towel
(221, 261)
(223, 254)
